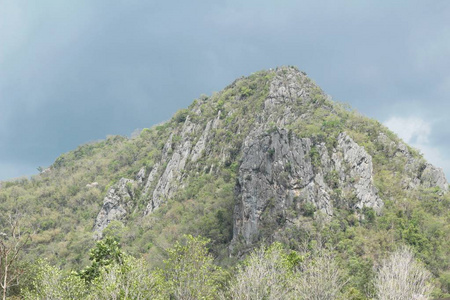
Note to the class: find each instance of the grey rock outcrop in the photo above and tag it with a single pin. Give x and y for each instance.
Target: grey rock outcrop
(172, 174)
(140, 177)
(116, 205)
(417, 172)
(92, 185)
(272, 173)
(201, 144)
(434, 177)
(277, 174)
(151, 178)
(287, 88)
(359, 175)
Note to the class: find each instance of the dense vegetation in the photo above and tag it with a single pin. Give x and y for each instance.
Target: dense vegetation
(190, 273)
(57, 209)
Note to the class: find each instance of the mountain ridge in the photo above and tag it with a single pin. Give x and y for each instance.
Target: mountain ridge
(284, 88)
(269, 158)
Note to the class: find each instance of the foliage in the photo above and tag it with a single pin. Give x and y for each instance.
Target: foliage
(105, 253)
(181, 115)
(308, 209)
(61, 205)
(268, 272)
(401, 277)
(265, 274)
(51, 283)
(190, 271)
(320, 277)
(129, 280)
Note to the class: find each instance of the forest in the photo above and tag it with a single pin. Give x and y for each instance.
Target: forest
(190, 272)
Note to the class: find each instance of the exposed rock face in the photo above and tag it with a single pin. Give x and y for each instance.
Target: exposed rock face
(116, 205)
(418, 172)
(277, 173)
(151, 178)
(280, 171)
(140, 177)
(167, 175)
(201, 144)
(273, 171)
(92, 185)
(359, 175)
(286, 89)
(172, 173)
(434, 177)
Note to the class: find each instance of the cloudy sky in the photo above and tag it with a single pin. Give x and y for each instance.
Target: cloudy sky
(75, 71)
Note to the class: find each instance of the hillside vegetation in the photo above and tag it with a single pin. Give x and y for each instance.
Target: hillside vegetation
(270, 159)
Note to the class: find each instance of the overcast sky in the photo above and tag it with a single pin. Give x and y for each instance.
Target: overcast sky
(75, 71)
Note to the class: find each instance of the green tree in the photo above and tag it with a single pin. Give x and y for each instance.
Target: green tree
(50, 283)
(130, 280)
(105, 252)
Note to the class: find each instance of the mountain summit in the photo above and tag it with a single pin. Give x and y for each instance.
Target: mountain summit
(269, 158)
(287, 146)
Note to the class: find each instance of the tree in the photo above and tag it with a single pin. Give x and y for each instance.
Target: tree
(190, 271)
(265, 274)
(319, 277)
(274, 273)
(52, 284)
(105, 252)
(401, 277)
(129, 280)
(12, 244)
(108, 278)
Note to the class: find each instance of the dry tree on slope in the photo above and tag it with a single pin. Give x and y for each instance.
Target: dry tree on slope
(402, 277)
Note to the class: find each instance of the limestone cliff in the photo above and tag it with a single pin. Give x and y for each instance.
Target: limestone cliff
(116, 204)
(279, 165)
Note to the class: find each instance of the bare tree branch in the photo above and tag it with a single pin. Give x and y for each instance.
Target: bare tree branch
(401, 277)
(11, 245)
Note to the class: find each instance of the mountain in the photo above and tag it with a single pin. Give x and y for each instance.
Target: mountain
(269, 158)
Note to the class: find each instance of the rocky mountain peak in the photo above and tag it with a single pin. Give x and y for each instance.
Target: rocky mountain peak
(292, 152)
(269, 158)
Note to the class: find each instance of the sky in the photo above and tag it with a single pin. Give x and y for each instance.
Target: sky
(73, 72)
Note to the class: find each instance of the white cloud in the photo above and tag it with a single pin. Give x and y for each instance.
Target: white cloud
(416, 132)
(411, 129)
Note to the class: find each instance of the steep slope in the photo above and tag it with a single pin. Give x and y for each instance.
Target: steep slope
(271, 157)
(276, 170)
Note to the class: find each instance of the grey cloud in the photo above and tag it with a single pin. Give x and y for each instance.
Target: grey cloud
(71, 72)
